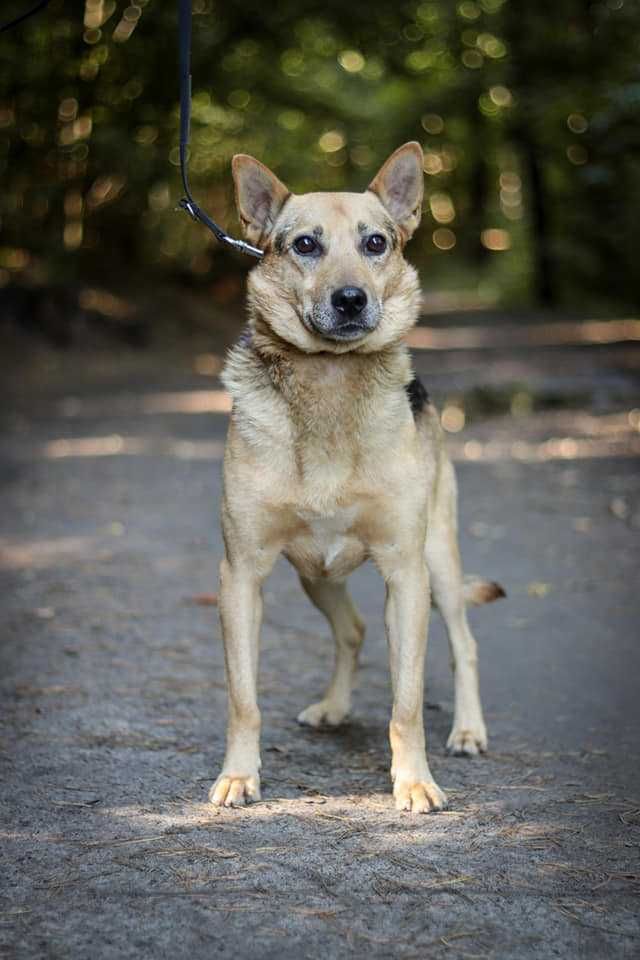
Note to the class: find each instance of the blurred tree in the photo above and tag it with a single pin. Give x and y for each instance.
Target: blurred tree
(527, 113)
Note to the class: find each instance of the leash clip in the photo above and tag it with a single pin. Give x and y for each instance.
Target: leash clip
(243, 247)
(188, 206)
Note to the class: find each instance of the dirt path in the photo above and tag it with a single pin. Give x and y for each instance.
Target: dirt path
(114, 704)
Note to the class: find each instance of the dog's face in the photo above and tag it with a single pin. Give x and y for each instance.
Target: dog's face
(333, 277)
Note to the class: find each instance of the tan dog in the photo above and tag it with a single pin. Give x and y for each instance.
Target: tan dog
(334, 456)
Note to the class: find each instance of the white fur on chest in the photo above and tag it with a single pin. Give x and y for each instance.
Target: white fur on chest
(329, 530)
(328, 539)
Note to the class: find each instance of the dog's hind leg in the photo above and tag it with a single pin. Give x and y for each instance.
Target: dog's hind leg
(469, 735)
(332, 599)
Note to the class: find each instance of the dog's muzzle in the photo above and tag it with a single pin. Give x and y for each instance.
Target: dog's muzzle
(349, 316)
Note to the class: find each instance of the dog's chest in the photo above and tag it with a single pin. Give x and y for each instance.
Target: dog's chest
(326, 544)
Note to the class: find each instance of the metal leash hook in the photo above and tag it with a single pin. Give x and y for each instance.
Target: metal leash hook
(187, 202)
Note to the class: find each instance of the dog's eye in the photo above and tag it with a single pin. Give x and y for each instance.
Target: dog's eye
(376, 243)
(305, 246)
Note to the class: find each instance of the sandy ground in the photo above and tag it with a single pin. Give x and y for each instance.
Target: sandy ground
(113, 700)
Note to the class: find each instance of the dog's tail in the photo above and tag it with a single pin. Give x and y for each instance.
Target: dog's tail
(478, 591)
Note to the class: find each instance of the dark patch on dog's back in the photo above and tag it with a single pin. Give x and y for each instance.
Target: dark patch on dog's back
(418, 396)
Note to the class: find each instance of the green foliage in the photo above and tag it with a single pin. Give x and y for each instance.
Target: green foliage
(527, 113)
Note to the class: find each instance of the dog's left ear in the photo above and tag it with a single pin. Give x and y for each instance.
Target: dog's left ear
(400, 186)
(259, 196)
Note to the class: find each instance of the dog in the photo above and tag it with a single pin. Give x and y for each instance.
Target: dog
(334, 456)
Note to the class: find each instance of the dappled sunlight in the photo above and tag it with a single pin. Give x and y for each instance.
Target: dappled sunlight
(524, 335)
(588, 437)
(163, 824)
(194, 401)
(607, 425)
(343, 808)
(116, 445)
(207, 364)
(557, 448)
(92, 447)
(21, 554)
(585, 436)
(184, 401)
(105, 303)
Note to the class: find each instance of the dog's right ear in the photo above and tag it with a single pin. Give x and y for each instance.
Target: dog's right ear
(259, 196)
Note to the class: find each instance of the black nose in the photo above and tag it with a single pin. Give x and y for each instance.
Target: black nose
(349, 301)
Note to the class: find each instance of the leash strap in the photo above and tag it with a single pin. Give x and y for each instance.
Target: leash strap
(187, 202)
(24, 16)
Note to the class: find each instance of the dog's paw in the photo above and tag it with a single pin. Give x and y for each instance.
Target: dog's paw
(419, 796)
(467, 741)
(323, 714)
(231, 790)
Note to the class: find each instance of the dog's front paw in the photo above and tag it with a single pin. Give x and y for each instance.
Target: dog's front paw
(323, 714)
(418, 796)
(467, 741)
(234, 790)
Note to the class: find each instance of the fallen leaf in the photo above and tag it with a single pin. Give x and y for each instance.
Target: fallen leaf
(581, 524)
(45, 613)
(537, 589)
(619, 508)
(479, 529)
(205, 599)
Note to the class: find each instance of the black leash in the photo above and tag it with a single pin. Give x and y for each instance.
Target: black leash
(24, 16)
(188, 203)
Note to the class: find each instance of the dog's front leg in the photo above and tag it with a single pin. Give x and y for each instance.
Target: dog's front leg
(240, 613)
(406, 618)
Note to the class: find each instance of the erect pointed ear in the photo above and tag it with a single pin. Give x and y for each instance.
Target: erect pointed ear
(399, 183)
(259, 196)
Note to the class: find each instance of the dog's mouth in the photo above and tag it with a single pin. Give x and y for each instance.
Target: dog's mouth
(331, 325)
(351, 330)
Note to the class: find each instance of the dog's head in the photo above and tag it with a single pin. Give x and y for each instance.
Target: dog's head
(333, 277)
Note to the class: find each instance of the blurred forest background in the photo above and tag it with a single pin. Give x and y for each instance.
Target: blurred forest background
(528, 114)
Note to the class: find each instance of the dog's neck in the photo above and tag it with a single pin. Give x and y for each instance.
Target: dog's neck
(325, 391)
